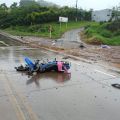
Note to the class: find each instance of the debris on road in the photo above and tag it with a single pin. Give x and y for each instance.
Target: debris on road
(66, 57)
(82, 45)
(116, 85)
(53, 44)
(58, 66)
(105, 46)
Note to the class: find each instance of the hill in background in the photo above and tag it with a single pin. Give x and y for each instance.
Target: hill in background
(46, 3)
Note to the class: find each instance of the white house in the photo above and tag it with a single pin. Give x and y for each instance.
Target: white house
(101, 15)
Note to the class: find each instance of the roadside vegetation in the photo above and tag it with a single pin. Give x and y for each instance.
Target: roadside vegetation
(37, 18)
(103, 33)
(42, 30)
(34, 18)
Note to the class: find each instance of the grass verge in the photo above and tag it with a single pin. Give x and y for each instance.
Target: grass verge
(42, 30)
(99, 34)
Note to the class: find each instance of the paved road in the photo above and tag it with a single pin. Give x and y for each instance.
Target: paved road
(70, 39)
(85, 94)
(72, 35)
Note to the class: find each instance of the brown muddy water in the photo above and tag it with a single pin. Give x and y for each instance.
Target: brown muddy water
(85, 94)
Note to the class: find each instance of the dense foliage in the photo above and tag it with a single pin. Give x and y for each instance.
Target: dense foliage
(29, 12)
(42, 30)
(114, 26)
(105, 33)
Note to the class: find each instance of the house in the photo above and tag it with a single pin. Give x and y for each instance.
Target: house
(102, 15)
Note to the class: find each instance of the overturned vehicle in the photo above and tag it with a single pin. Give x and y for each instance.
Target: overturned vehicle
(30, 67)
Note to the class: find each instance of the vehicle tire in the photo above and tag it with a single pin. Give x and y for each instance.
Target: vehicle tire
(116, 85)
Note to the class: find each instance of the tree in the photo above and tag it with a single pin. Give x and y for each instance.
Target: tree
(14, 5)
(31, 17)
(30, 12)
(3, 7)
(116, 13)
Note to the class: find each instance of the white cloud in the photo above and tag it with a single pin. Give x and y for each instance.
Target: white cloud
(8, 2)
(85, 4)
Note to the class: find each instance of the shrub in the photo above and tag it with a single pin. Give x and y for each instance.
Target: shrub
(117, 33)
(34, 28)
(114, 26)
(106, 33)
(96, 40)
(101, 23)
(86, 27)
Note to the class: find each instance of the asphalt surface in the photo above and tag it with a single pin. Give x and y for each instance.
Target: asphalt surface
(85, 94)
(70, 39)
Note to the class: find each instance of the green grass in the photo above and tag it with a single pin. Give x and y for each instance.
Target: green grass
(98, 34)
(42, 30)
(113, 41)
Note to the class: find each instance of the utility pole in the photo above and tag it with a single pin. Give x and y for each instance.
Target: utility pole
(76, 19)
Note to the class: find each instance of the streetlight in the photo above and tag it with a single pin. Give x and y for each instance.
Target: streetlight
(76, 10)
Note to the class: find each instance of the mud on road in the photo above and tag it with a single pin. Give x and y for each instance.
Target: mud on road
(70, 43)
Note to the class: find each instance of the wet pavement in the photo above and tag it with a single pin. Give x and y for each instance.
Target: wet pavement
(70, 39)
(7, 41)
(85, 94)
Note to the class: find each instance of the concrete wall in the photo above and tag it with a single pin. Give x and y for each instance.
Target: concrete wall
(101, 15)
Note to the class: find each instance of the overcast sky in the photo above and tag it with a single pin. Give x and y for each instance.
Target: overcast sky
(85, 4)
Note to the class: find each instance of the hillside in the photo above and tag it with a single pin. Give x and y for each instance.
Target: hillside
(103, 33)
(46, 3)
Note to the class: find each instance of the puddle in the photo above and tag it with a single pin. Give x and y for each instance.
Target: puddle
(57, 77)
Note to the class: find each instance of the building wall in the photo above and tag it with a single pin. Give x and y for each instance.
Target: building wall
(101, 15)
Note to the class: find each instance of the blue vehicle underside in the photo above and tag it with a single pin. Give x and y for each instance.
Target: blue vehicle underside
(58, 66)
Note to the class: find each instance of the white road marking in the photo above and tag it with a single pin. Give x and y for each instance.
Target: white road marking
(75, 62)
(44, 52)
(96, 70)
(104, 73)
